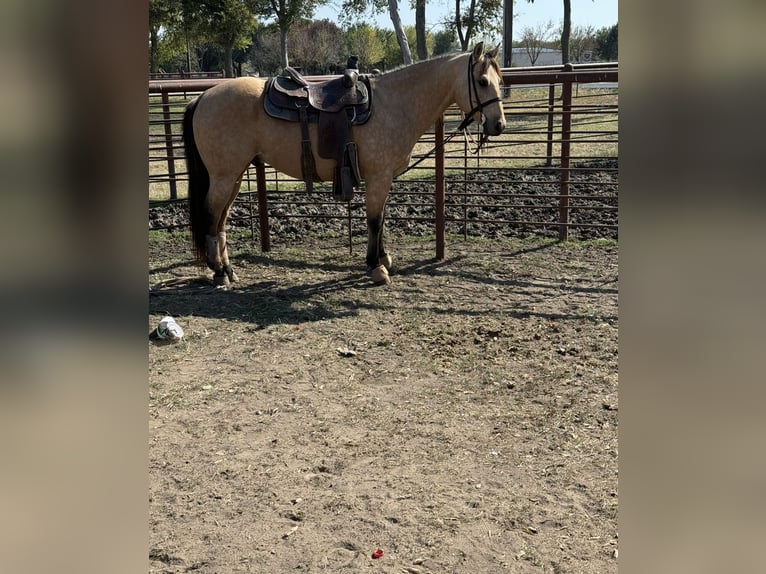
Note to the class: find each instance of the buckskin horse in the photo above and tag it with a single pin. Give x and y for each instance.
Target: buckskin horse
(227, 127)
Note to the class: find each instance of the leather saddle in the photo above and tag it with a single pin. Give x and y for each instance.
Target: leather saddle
(335, 105)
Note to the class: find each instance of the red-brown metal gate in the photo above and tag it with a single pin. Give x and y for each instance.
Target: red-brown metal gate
(554, 170)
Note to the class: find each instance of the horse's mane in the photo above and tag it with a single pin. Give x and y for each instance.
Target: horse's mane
(421, 62)
(490, 61)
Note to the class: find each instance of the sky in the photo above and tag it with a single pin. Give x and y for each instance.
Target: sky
(596, 13)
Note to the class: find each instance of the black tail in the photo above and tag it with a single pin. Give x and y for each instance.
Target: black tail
(199, 181)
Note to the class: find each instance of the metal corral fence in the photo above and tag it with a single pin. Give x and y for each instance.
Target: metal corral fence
(554, 171)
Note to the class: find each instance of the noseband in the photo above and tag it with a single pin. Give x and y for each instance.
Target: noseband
(473, 94)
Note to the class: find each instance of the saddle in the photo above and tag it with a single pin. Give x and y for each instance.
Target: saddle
(334, 105)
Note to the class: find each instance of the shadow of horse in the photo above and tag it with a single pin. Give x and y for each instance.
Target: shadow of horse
(263, 303)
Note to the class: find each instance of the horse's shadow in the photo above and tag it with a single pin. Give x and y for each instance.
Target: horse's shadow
(263, 303)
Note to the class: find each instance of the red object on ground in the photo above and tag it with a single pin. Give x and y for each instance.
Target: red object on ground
(378, 553)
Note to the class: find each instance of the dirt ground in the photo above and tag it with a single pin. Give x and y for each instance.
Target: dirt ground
(461, 420)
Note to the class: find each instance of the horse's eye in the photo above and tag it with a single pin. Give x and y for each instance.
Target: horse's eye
(484, 81)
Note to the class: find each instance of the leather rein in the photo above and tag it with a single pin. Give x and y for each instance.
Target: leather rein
(473, 94)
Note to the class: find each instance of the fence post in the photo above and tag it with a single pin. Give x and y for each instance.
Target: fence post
(169, 144)
(439, 160)
(263, 208)
(566, 134)
(549, 146)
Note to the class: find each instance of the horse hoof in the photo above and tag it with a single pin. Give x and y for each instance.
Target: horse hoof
(379, 276)
(232, 277)
(387, 262)
(220, 280)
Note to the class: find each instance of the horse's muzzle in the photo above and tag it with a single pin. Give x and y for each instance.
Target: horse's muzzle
(494, 130)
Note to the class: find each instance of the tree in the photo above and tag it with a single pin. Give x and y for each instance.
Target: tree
(359, 7)
(445, 41)
(174, 29)
(163, 15)
(229, 25)
(316, 46)
(264, 55)
(479, 16)
(366, 42)
(420, 29)
(401, 36)
(286, 13)
(507, 33)
(581, 40)
(533, 40)
(566, 29)
(606, 43)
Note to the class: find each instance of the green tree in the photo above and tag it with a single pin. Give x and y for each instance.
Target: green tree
(606, 43)
(392, 55)
(229, 24)
(428, 41)
(445, 41)
(174, 31)
(264, 55)
(479, 16)
(358, 7)
(286, 13)
(366, 42)
(316, 46)
(163, 15)
(212, 29)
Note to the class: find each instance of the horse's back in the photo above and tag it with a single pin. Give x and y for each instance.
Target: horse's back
(225, 124)
(232, 98)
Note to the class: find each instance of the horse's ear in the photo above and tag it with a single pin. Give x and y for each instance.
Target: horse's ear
(478, 50)
(493, 52)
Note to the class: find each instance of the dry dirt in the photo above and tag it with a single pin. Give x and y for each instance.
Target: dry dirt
(461, 420)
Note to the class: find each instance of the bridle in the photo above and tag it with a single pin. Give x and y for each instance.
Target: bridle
(473, 94)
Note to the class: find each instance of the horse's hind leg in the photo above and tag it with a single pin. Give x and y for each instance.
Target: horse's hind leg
(220, 198)
(224, 254)
(222, 244)
(385, 258)
(378, 261)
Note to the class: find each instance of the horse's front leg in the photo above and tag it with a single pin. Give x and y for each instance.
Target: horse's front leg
(378, 261)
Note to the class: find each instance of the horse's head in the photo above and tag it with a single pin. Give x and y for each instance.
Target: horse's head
(481, 99)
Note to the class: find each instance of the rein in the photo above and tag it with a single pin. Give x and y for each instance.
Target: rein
(472, 90)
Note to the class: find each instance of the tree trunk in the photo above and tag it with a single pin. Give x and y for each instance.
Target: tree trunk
(420, 29)
(401, 37)
(153, 50)
(188, 52)
(283, 47)
(465, 37)
(566, 31)
(507, 33)
(228, 67)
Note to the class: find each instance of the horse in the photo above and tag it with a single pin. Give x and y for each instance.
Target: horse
(226, 128)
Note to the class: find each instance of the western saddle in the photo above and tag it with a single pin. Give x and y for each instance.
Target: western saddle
(335, 105)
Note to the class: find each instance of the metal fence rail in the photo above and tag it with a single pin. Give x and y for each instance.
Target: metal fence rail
(554, 170)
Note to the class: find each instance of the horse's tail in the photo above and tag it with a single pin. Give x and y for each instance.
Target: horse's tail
(199, 181)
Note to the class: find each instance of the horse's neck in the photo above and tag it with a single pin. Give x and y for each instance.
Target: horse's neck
(425, 90)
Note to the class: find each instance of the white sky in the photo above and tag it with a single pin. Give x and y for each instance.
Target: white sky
(596, 13)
